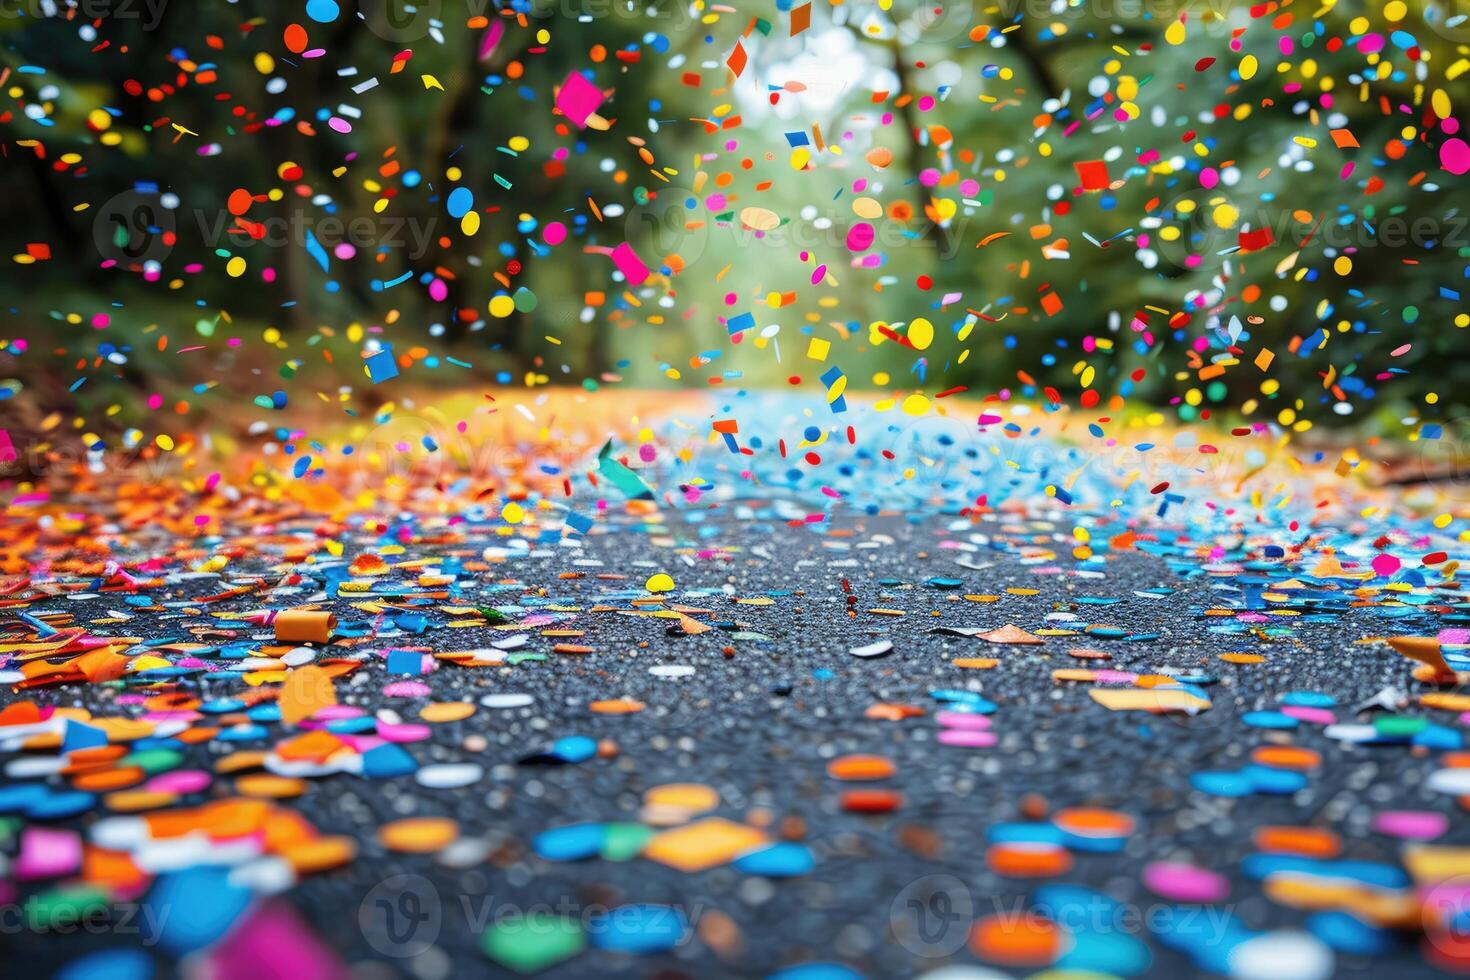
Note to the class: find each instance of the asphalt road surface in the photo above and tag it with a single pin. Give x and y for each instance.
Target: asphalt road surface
(770, 697)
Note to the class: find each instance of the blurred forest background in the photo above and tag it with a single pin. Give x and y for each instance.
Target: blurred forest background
(90, 187)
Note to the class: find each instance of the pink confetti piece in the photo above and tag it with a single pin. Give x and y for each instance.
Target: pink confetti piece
(965, 738)
(1181, 882)
(578, 98)
(47, 853)
(1411, 824)
(630, 265)
(491, 38)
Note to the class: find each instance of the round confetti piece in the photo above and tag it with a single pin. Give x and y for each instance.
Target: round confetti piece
(418, 835)
(618, 706)
(1286, 757)
(446, 711)
(966, 739)
(860, 767)
(1028, 860)
(893, 712)
(1281, 955)
(574, 842)
(1025, 941)
(1316, 842)
(135, 801)
(1093, 822)
(693, 798)
(1411, 824)
(321, 854)
(449, 775)
(504, 702)
(963, 720)
(268, 786)
(322, 11)
(871, 801)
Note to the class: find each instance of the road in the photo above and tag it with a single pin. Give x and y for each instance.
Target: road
(757, 709)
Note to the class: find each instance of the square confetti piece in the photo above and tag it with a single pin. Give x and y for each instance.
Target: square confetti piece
(381, 366)
(739, 322)
(578, 98)
(703, 845)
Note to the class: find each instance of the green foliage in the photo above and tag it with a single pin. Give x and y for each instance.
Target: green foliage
(201, 139)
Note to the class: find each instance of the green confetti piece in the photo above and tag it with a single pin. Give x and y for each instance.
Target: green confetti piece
(532, 942)
(624, 841)
(630, 483)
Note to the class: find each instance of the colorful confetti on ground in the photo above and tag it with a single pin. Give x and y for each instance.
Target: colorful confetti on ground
(800, 490)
